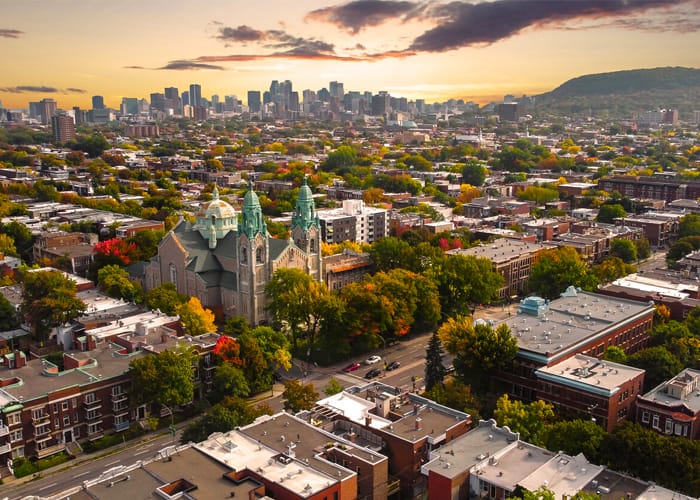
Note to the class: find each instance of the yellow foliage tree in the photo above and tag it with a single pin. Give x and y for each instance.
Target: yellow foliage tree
(195, 318)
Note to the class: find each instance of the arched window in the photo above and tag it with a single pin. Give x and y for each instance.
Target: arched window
(173, 274)
(259, 256)
(244, 255)
(312, 245)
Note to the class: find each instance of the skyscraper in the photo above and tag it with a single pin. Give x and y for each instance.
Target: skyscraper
(336, 89)
(46, 109)
(195, 94)
(63, 127)
(254, 101)
(98, 102)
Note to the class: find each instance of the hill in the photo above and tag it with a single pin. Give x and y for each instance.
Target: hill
(622, 94)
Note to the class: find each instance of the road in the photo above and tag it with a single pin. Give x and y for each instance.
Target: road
(410, 353)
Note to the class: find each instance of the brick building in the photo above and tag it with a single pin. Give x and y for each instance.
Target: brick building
(78, 248)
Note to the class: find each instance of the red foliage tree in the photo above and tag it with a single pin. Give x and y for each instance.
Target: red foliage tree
(228, 350)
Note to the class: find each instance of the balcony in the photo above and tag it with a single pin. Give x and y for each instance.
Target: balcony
(44, 430)
(92, 403)
(120, 409)
(50, 450)
(37, 420)
(118, 398)
(121, 426)
(95, 433)
(4, 430)
(5, 448)
(93, 415)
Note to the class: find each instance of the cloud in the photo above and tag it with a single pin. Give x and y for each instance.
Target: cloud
(356, 15)
(190, 65)
(30, 88)
(276, 39)
(5, 33)
(73, 90)
(242, 33)
(463, 24)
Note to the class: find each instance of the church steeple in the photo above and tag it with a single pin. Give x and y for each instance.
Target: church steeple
(252, 221)
(305, 213)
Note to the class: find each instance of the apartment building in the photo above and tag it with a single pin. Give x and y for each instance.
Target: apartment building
(354, 221)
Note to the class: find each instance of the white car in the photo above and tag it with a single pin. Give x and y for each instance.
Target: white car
(372, 360)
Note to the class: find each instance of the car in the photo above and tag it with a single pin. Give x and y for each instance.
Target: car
(392, 366)
(352, 367)
(373, 359)
(374, 372)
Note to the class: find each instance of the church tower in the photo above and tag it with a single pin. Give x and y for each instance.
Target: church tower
(253, 259)
(306, 230)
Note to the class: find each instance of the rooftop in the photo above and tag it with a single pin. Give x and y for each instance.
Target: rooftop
(564, 475)
(501, 250)
(682, 391)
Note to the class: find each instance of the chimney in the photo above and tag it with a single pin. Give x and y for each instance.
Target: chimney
(352, 437)
(419, 423)
(20, 360)
(368, 421)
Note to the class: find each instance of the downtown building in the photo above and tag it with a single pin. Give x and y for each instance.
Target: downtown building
(354, 221)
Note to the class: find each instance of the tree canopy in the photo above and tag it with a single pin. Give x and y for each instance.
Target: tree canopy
(196, 319)
(165, 378)
(557, 269)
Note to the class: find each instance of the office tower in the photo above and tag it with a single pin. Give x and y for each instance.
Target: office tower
(129, 106)
(420, 105)
(267, 97)
(186, 98)
(286, 92)
(381, 104)
(46, 109)
(81, 115)
(195, 94)
(293, 104)
(254, 101)
(63, 127)
(171, 93)
(323, 95)
(158, 101)
(98, 102)
(274, 88)
(214, 99)
(336, 89)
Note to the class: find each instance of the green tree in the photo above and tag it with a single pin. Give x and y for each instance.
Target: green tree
(473, 174)
(22, 236)
(658, 363)
(479, 350)
(612, 268)
(116, 282)
(434, 369)
(49, 300)
(7, 245)
(689, 225)
(165, 378)
(456, 394)
(196, 319)
(624, 249)
(165, 298)
(389, 253)
(557, 269)
(229, 414)
(574, 437)
(530, 420)
(340, 160)
(615, 354)
(92, 145)
(609, 212)
(229, 381)
(643, 248)
(298, 396)
(274, 346)
(333, 387)
(146, 242)
(255, 367)
(235, 326)
(9, 319)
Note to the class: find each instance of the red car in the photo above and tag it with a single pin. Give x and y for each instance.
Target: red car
(352, 367)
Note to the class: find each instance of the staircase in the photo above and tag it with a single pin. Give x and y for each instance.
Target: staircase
(73, 448)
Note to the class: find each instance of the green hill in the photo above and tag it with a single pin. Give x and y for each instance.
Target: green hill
(622, 94)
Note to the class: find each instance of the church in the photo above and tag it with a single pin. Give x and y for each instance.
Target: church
(226, 265)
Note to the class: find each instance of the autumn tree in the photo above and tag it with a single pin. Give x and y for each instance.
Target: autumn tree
(624, 249)
(298, 396)
(117, 283)
(530, 420)
(274, 346)
(49, 300)
(456, 394)
(196, 319)
(146, 242)
(165, 298)
(612, 268)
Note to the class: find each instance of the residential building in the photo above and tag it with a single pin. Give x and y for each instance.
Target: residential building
(46, 108)
(62, 127)
(512, 259)
(673, 407)
(354, 221)
(660, 228)
(651, 187)
(344, 268)
(77, 248)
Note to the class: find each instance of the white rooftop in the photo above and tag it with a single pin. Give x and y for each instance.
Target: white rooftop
(564, 475)
(354, 408)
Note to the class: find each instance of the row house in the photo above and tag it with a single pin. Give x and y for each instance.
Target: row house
(660, 228)
(551, 333)
(667, 190)
(344, 268)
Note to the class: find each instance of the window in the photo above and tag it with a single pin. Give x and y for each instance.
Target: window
(18, 452)
(76, 432)
(64, 405)
(74, 402)
(16, 436)
(14, 418)
(66, 420)
(173, 273)
(677, 429)
(645, 417)
(90, 398)
(669, 426)
(259, 255)
(54, 407)
(655, 422)
(116, 390)
(244, 255)
(75, 418)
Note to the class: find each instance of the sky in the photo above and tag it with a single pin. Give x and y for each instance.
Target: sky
(70, 50)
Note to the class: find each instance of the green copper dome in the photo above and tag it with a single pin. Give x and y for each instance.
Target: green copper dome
(252, 222)
(305, 213)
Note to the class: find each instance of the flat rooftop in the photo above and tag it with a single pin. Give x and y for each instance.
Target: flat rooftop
(564, 475)
(508, 469)
(683, 390)
(501, 250)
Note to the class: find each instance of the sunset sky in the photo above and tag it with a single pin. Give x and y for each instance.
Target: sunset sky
(72, 49)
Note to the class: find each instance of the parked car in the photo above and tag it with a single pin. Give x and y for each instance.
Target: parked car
(392, 366)
(352, 367)
(374, 372)
(373, 359)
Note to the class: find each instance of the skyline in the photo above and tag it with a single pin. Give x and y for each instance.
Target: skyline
(69, 50)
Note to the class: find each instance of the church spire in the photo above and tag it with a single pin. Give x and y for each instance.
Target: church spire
(305, 213)
(252, 218)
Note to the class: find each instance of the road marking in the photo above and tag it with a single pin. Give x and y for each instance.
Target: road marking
(49, 486)
(82, 474)
(112, 463)
(142, 452)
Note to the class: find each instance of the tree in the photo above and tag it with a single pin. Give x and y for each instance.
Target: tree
(389, 253)
(557, 269)
(624, 249)
(196, 319)
(609, 212)
(530, 420)
(256, 369)
(165, 298)
(659, 364)
(458, 395)
(22, 236)
(228, 350)
(117, 283)
(643, 248)
(333, 387)
(298, 396)
(297, 302)
(49, 300)
(274, 346)
(615, 354)
(93, 145)
(340, 160)
(689, 225)
(473, 174)
(235, 326)
(146, 243)
(229, 381)
(479, 350)
(574, 437)
(7, 245)
(434, 369)
(9, 319)
(612, 268)
(165, 378)
(229, 414)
